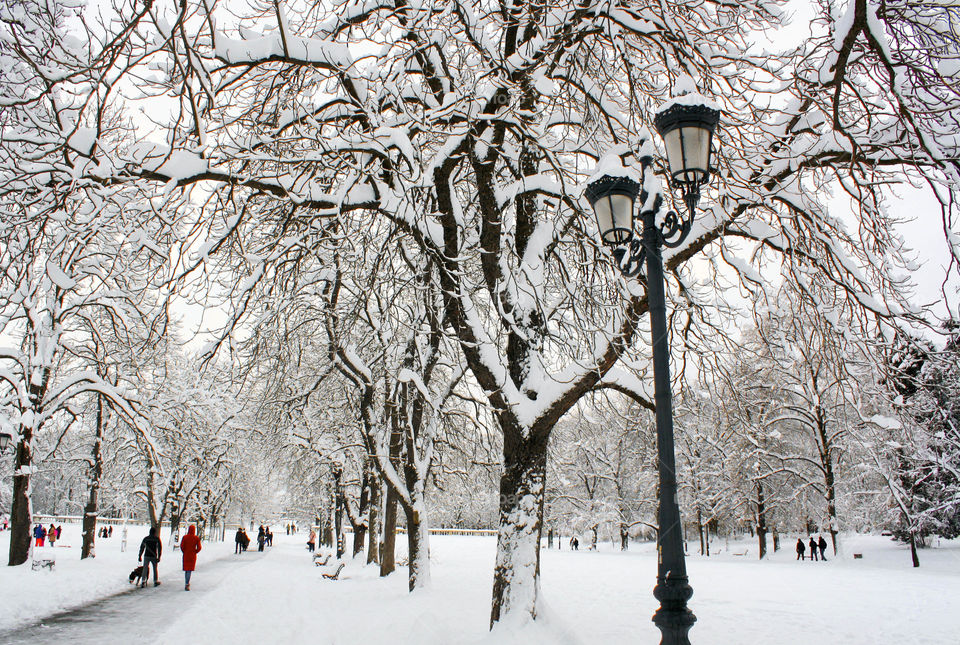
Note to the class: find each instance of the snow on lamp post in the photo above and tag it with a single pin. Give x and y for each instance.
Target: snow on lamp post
(686, 125)
(5, 438)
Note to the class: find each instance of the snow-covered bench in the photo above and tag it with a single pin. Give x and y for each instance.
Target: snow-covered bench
(335, 575)
(43, 558)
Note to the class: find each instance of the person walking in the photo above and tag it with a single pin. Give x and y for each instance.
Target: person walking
(238, 538)
(150, 551)
(800, 548)
(52, 535)
(60, 530)
(823, 548)
(190, 546)
(110, 531)
(38, 534)
(261, 538)
(312, 541)
(813, 549)
(269, 535)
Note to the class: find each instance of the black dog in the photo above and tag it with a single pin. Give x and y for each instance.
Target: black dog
(136, 576)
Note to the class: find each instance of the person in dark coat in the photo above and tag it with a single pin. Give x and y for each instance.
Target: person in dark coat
(261, 538)
(60, 530)
(238, 538)
(109, 531)
(190, 547)
(823, 548)
(800, 549)
(39, 533)
(150, 551)
(813, 549)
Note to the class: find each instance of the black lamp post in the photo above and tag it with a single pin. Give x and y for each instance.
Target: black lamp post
(5, 438)
(687, 130)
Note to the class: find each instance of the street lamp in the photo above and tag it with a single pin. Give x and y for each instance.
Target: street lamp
(687, 128)
(5, 438)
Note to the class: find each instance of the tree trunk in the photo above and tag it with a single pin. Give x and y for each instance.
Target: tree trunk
(624, 536)
(761, 520)
(338, 514)
(21, 512)
(87, 549)
(388, 562)
(703, 547)
(516, 578)
(913, 549)
(418, 548)
(373, 547)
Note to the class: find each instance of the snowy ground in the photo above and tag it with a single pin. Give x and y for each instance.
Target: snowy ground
(603, 597)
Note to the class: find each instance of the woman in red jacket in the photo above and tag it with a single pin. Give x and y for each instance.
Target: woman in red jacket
(190, 546)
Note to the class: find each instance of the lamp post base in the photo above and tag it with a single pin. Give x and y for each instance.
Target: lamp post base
(674, 618)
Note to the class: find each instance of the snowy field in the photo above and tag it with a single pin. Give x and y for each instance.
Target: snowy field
(602, 597)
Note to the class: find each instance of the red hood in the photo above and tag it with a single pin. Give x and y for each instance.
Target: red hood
(192, 530)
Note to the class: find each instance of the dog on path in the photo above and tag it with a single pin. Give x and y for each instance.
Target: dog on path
(136, 576)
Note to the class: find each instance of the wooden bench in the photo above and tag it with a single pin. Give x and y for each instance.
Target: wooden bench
(43, 561)
(318, 562)
(335, 575)
(741, 553)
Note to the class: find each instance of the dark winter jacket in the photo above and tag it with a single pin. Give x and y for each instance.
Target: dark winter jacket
(38, 532)
(151, 547)
(822, 544)
(800, 546)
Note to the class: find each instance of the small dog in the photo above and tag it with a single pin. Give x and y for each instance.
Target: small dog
(136, 576)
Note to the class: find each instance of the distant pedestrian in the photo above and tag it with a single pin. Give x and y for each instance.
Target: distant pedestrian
(52, 535)
(238, 538)
(246, 539)
(190, 546)
(800, 548)
(813, 549)
(59, 530)
(312, 541)
(39, 533)
(110, 531)
(823, 548)
(150, 551)
(261, 538)
(269, 536)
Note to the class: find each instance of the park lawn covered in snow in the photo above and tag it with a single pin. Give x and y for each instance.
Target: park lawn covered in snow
(591, 597)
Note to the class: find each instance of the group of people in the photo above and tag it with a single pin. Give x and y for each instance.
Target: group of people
(242, 540)
(815, 545)
(105, 531)
(264, 537)
(43, 535)
(151, 548)
(291, 529)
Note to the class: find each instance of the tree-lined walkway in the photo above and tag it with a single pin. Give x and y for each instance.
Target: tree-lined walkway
(134, 616)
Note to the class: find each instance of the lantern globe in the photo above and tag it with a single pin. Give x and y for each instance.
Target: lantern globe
(612, 199)
(687, 131)
(5, 438)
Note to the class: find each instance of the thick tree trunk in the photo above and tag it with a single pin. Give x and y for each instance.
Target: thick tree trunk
(373, 521)
(21, 512)
(516, 578)
(418, 547)
(388, 561)
(87, 549)
(913, 549)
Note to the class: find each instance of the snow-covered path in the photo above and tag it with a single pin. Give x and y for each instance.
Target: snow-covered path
(133, 616)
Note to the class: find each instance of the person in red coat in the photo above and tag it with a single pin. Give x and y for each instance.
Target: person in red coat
(190, 546)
